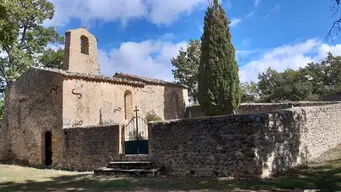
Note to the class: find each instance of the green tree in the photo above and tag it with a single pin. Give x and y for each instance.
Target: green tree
(249, 92)
(267, 82)
(308, 83)
(31, 38)
(186, 68)
(219, 86)
(52, 58)
(290, 85)
(333, 64)
(325, 76)
(8, 27)
(316, 75)
(23, 40)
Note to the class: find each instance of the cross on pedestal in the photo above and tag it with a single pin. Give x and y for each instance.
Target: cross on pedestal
(136, 110)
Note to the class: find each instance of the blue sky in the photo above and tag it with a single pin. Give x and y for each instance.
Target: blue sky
(140, 36)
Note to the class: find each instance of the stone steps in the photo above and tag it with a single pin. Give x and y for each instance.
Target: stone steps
(127, 172)
(132, 158)
(129, 166)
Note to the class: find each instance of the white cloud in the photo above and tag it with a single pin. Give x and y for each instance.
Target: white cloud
(167, 36)
(235, 22)
(148, 58)
(158, 12)
(249, 14)
(246, 41)
(90, 10)
(166, 12)
(55, 46)
(288, 56)
(257, 2)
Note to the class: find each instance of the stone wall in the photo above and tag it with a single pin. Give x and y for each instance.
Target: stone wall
(33, 106)
(331, 97)
(253, 108)
(88, 148)
(245, 145)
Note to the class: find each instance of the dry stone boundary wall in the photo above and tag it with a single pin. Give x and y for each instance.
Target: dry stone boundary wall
(254, 145)
(252, 108)
(88, 148)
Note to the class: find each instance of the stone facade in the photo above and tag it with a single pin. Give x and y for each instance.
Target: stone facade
(33, 106)
(253, 108)
(257, 145)
(174, 97)
(96, 103)
(47, 101)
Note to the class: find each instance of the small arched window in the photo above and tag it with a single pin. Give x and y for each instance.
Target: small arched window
(128, 104)
(84, 45)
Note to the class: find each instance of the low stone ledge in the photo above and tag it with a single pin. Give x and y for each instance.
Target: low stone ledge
(193, 111)
(91, 126)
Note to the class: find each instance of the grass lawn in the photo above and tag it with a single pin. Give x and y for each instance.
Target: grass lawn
(323, 176)
(17, 178)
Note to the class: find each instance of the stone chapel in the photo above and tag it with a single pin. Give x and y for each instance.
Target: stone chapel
(74, 117)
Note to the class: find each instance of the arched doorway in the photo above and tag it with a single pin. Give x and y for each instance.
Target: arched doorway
(48, 148)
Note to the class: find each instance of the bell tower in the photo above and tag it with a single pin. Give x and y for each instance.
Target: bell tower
(80, 53)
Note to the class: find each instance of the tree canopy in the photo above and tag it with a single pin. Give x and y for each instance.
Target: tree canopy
(308, 83)
(23, 38)
(186, 68)
(219, 89)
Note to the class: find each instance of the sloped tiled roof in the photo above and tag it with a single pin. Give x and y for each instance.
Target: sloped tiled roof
(147, 80)
(85, 76)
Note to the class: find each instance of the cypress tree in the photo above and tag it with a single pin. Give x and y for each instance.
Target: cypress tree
(218, 83)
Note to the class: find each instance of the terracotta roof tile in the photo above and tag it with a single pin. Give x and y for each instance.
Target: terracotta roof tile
(147, 80)
(91, 77)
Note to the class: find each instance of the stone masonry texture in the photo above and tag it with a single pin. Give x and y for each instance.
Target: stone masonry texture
(33, 105)
(255, 145)
(88, 148)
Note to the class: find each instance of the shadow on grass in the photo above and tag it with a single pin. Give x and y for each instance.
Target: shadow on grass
(325, 178)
